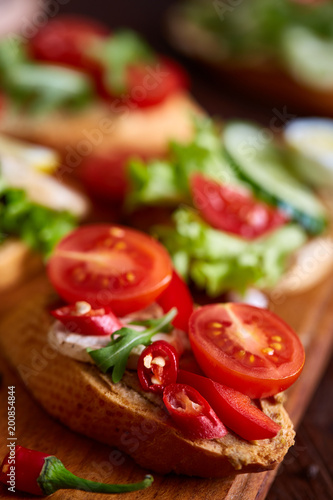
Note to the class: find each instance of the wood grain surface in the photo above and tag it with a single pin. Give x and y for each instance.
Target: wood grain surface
(310, 314)
(307, 471)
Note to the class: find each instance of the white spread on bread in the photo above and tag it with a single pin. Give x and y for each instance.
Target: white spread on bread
(75, 345)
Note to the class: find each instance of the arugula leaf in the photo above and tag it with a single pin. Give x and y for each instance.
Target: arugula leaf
(150, 323)
(116, 354)
(41, 228)
(116, 53)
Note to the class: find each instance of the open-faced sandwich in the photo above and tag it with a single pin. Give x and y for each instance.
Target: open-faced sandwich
(235, 215)
(36, 210)
(280, 51)
(77, 88)
(128, 362)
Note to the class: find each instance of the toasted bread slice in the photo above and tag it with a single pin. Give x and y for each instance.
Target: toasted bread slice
(252, 76)
(100, 127)
(85, 400)
(17, 264)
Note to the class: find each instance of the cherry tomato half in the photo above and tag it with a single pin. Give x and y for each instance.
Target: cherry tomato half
(108, 265)
(234, 209)
(147, 84)
(247, 348)
(177, 295)
(82, 319)
(64, 40)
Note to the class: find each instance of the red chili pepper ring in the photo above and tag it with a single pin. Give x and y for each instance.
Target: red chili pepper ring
(158, 366)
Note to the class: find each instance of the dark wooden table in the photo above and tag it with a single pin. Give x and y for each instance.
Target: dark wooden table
(307, 471)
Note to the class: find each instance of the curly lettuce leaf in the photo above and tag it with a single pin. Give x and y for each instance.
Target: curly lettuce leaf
(166, 182)
(216, 261)
(41, 228)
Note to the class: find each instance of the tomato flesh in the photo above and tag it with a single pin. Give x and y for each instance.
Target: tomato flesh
(247, 348)
(233, 209)
(64, 41)
(107, 265)
(177, 295)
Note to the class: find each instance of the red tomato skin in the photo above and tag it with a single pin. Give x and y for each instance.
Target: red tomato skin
(64, 41)
(167, 374)
(195, 423)
(233, 209)
(122, 300)
(255, 382)
(148, 84)
(233, 407)
(104, 175)
(177, 295)
(96, 322)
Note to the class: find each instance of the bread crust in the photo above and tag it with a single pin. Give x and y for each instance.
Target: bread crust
(101, 127)
(122, 414)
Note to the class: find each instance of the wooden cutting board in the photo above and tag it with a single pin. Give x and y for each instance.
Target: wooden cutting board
(311, 314)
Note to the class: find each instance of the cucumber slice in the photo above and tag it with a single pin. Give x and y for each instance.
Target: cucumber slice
(308, 57)
(311, 142)
(252, 153)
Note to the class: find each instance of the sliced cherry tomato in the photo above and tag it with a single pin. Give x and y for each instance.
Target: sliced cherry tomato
(64, 40)
(104, 175)
(108, 265)
(147, 84)
(191, 413)
(247, 348)
(177, 295)
(234, 209)
(234, 408)
(81, 318)
(158, 366)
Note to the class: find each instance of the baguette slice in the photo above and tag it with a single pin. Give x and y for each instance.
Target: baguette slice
(99, 127)
(122, 414)
(258, 78)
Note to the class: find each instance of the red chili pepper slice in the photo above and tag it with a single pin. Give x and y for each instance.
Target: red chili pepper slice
(81, 318)
(236, 409)
(158, 366)
(192, 413)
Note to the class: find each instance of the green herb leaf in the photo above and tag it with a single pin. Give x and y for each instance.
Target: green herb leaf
(39, 87)
(117, 53)
(116, 354)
